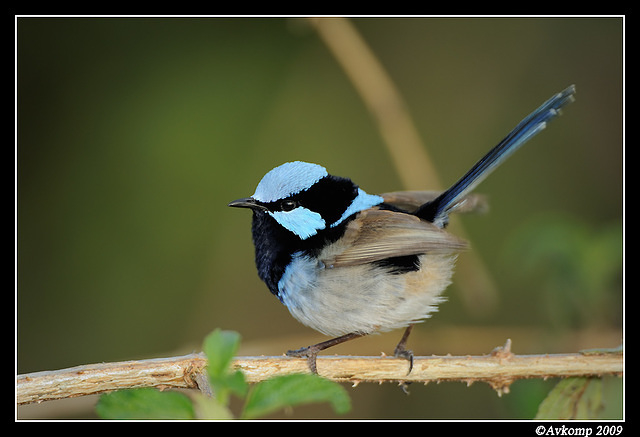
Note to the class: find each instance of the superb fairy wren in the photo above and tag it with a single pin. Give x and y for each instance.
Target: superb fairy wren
(347, 263)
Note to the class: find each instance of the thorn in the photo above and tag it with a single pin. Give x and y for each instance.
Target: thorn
(502, 390)
(501, 387)
(503, 352)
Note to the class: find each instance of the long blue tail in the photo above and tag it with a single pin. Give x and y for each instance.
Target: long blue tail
(437, 210)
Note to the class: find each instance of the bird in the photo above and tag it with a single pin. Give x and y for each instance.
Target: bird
(347, 263)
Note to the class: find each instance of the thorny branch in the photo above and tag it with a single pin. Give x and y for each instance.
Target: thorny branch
(499, 369)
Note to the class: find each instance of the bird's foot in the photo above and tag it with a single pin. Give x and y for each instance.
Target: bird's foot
(310, 353)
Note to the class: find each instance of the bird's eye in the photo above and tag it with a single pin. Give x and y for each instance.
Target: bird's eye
(288, 205)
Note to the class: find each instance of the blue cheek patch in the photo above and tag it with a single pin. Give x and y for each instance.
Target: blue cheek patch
(301, 221)
(360, 203)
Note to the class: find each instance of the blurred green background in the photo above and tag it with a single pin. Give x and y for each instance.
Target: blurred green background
(133, 134)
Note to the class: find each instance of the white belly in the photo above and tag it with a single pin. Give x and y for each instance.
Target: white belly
(363, 298)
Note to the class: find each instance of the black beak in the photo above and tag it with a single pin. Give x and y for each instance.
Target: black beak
(247, 202)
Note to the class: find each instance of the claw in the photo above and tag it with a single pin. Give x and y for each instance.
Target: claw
(310, 353)
(402, 352)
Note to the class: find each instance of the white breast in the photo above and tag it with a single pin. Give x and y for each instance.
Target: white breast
(362, 298)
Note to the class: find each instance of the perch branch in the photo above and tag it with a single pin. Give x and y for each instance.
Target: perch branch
(499, 369)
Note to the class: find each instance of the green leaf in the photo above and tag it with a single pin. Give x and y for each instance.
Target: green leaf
(207, 408)
(144, 403)
(220, 347)
(290, 390)
(573, 398)
(236, 383)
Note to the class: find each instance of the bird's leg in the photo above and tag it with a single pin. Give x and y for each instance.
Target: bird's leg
(401, 351)
(311, 352)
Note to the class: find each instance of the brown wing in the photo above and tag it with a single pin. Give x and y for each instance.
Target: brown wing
(378, 234)
(411, 200)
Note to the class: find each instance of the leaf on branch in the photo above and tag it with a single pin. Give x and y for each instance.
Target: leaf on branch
(573, 398)
(220, 348)
(144, 403)
(295, 389)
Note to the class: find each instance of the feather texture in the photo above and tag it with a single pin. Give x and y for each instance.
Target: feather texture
(410, 201)
(377, 234)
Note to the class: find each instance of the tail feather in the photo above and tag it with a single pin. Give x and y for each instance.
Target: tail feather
(437, 210)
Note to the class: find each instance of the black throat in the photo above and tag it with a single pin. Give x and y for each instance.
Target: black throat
(275, 246)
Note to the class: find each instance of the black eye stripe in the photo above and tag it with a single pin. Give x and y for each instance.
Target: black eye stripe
(288, 205)
(329, 197)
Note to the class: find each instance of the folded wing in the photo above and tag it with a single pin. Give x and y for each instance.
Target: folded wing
(379, 234)
(411, 200)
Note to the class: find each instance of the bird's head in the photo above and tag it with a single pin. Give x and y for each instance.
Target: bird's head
(305, 199)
